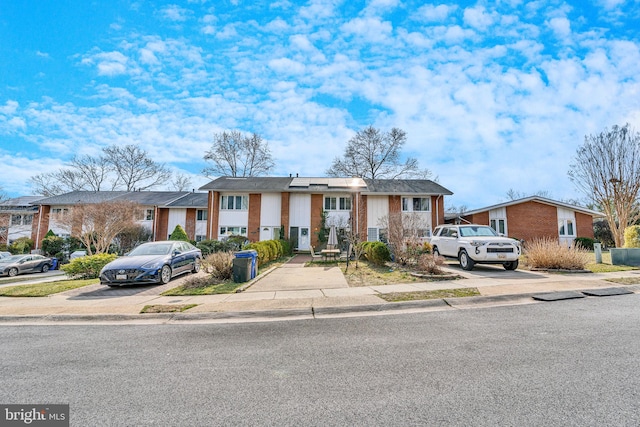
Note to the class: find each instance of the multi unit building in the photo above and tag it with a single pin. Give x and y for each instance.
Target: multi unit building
(297, 208)
(263, 208)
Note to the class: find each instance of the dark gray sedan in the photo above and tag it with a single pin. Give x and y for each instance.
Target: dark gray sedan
(30, 263)
(153, 262)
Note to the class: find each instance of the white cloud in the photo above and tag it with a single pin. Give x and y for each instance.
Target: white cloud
(561, 27)
(478, 18)
(431, 13)
(175, 13)
(371, 29)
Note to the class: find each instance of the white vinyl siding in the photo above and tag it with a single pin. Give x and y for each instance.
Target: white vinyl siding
(176, 217)
(498, 220)
(377, 208)
(300, 210)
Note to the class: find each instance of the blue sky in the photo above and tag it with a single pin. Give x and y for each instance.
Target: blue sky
(493, 95)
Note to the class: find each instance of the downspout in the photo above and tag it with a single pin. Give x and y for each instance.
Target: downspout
(155, 222)
(438, 210)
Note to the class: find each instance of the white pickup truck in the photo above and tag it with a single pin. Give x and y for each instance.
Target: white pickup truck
(472, 244)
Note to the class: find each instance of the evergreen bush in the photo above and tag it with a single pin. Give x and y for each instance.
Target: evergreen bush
(87, 267)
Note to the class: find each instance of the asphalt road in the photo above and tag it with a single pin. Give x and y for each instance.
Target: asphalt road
(565, 363)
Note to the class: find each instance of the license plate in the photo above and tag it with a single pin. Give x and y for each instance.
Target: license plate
(121, 277)
(502, 256)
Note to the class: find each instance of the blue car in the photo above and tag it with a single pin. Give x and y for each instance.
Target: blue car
(154, 262)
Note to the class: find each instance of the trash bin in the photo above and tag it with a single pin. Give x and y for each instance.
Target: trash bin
(54, 263)
(245, 266)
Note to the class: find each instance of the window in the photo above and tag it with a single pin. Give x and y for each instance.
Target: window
(498, 225)
(200, 237)
(229, 231)
(16, 219)
(565, 227)
(201, 215)
(236, 203)
(337, 203)
(146, 215)
(416, 204)
(59, 211)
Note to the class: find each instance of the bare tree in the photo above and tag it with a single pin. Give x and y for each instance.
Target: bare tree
(375, 154)
(515, 195)
(235, 154)
(3, 195)
(181, 182)
(134, 168)
(97, 225)
(125, 168)
(404, 233)
(607, 169)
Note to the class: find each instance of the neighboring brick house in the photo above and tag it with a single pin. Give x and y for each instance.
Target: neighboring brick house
(161, 211)
(17, 217)
(263, 208)
(535, 217)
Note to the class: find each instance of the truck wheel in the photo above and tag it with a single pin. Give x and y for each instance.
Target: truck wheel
(436, 252)
(465, 262)
(511, 265)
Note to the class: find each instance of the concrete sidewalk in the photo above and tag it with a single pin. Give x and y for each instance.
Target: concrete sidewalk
(293, 290)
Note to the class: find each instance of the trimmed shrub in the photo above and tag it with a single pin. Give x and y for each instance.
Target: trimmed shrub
(87, 267)
(632, 236)
(584, 243)
(52, 245)
(22, 245)
(179, 234)
(377, 253)
(268, 250)
(547, 252)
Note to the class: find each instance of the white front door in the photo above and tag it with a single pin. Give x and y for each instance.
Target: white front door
(303, 238)
(266, 233)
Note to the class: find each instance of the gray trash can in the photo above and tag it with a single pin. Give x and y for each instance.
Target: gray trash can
(245, 266)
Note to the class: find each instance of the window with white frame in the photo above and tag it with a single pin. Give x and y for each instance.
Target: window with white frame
(59, 211)
(416, 204)
(200, 237)
(201, 215)
(332, 203)
(233, 231)
(566, 227)
(498, 225)
(146, 215)
(16, 219)
(235, 203)
(27, 219)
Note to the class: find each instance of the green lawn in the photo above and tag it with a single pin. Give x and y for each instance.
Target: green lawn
(44, 289)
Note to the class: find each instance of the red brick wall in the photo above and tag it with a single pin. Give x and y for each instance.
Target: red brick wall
(190, 223)
(162, 224)
(584, 225)
(437, 211)
(41, 221)
(316, 217)
(479, 218)
(253, 227)
(362, 214)
(531, 220)
(284, 213)
(395, 204)
(214, 215)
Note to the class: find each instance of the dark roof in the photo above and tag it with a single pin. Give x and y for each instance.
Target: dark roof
(404, 186)
(538, 199)
(77, 197)
(147, 198)
(21, 201)
(324, 185)
(191, 200)
(263, 184)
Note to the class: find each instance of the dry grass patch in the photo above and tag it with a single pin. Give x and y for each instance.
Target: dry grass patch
(625, 280)
(437, 294)
(548, 253)
(368, 274)
(167, 308)
(44, 289)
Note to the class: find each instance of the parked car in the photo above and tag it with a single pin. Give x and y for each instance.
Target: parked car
(472, 244)
(19, 264)
(154, 262)
(77, 254)
(5, 254)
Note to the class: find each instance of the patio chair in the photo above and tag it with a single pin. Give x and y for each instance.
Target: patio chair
(314, 255)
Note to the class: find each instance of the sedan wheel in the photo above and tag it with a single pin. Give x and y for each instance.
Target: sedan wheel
(13, 272)
(465, 262)
(511, 265)
(45, 268)
(436, 252)
(196, 266)
(165, 274)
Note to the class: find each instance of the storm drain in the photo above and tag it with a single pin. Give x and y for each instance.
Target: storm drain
(606, 292)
